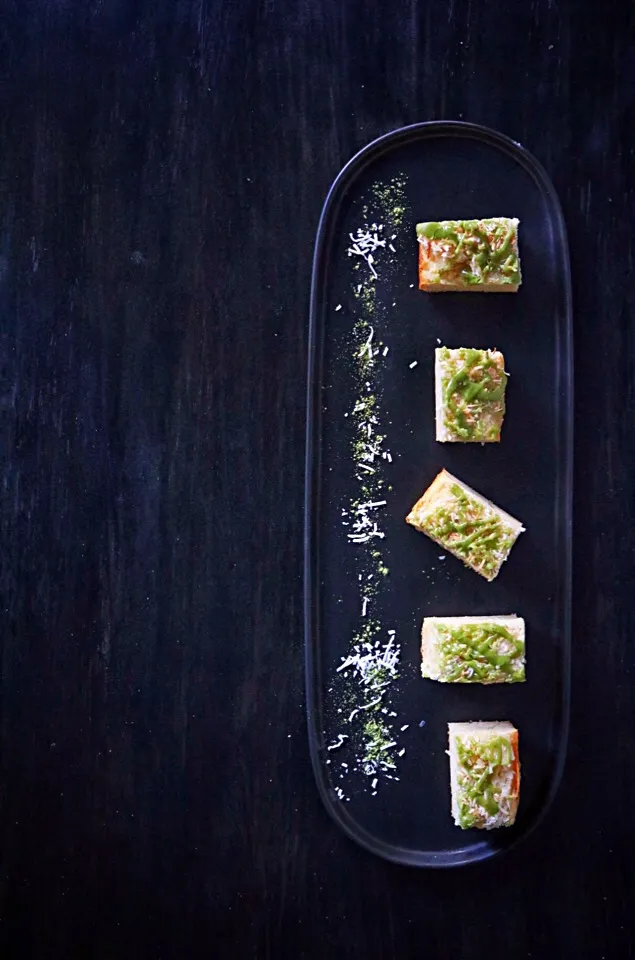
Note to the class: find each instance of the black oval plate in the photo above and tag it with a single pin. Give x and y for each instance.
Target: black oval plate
(451, 170)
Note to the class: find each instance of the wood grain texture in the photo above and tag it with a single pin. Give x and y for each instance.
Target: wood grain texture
(162, 169)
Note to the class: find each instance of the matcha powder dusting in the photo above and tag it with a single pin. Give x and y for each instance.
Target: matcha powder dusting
(366, 742)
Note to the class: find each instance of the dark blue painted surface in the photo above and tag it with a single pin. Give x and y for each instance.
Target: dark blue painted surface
(162, 169)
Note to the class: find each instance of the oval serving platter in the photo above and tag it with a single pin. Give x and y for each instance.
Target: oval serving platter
(377, 730)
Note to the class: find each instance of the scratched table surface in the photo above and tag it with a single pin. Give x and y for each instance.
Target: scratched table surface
(162, 169)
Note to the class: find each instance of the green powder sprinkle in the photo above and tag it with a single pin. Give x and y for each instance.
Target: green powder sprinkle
(362, 691)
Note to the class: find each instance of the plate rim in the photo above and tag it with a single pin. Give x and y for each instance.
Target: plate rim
(482, 850)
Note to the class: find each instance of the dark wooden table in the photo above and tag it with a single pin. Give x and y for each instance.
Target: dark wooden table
(162, 169)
